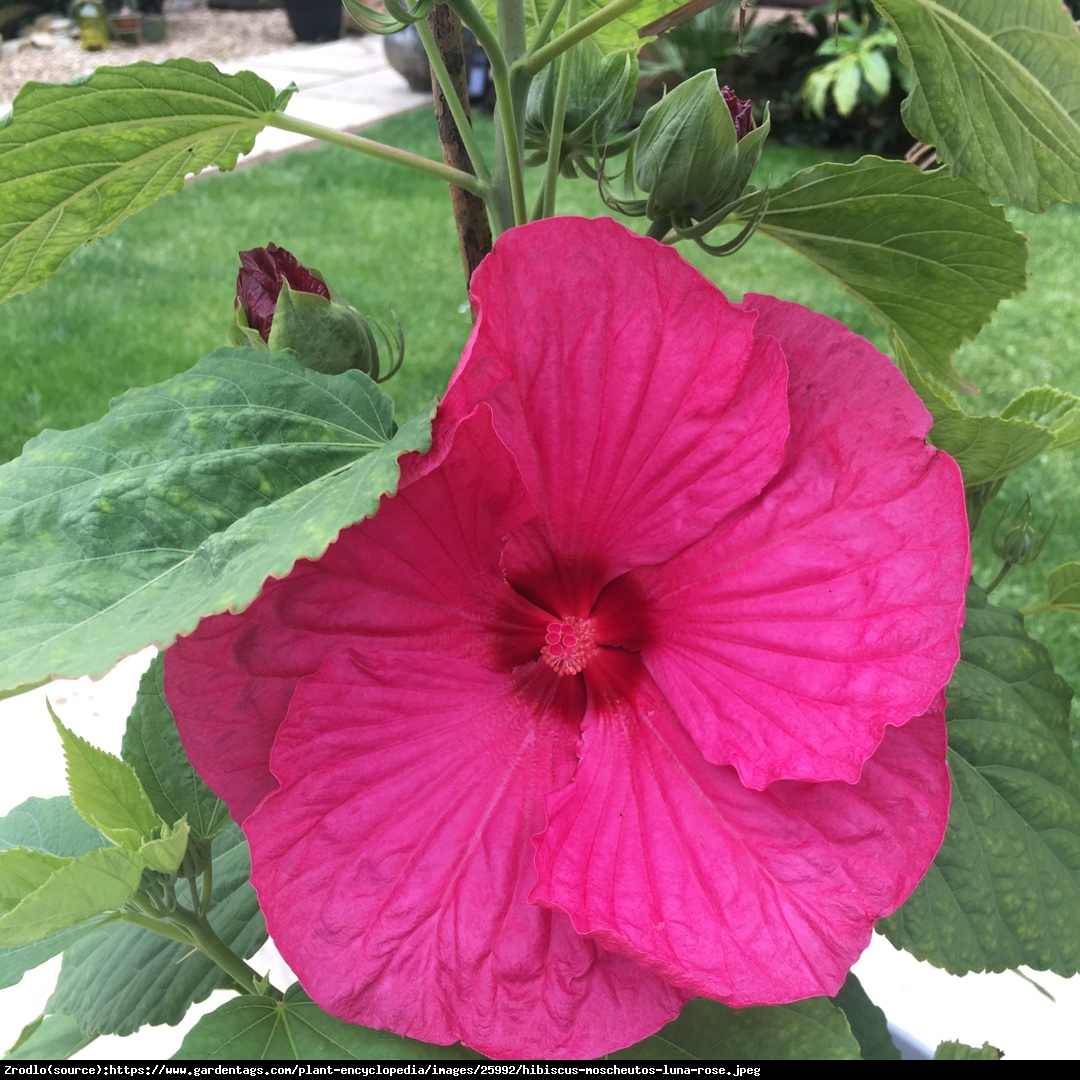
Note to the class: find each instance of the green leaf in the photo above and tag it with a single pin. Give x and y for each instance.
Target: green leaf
(181, 502)
(124, 976)
(106, 791)
(1004, 890)
(813, 1029)
(995, 91)
(929, 257)
(1056, 410)
(986, 448)
(52, 825)
(22, 870)
(620, 33)
(1063, 588)
(296, 1029)
(77, 159)
(868, 1022)
(49, 1038)
(152, 747)
(958, 1051)
(94, 883)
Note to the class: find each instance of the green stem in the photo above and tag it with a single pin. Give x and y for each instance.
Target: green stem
(558, 118)
(383, 152)
(538, 60)
(1036, 609)
(509, 172)
(207, 888)
(1005, 568)
(157, 926)
(464, 126)
(547, 24)
(208, 943)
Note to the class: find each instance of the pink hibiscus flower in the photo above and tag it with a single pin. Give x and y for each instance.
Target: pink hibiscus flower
(632, 693)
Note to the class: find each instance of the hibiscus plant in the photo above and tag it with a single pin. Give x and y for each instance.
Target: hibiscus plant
(629, 688)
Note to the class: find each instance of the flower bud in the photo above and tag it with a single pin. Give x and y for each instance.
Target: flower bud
(281, 304)
(601, 97)
(1020, 544)
(694, 154)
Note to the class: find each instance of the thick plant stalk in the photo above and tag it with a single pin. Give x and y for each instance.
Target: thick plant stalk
(470, 213)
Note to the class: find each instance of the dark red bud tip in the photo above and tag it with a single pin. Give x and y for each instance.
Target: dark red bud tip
(258, 284)
(740, 112)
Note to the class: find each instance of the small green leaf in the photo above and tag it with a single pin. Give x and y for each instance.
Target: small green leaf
(986, 448)
(167, 853)
(106, 791)
(620, 33)
(1063, 587)
(813, 1029)
(296, 1029)
(52, 825)
(1004, 890)
(929, 257)
(100, 881)
(78, 158)
(995, 92)
(49, 1038)
(22, 870)
(868, 1022)
(1056, 410)
(152, 747)
(123, 976)
(181, 502)
(958, 1051)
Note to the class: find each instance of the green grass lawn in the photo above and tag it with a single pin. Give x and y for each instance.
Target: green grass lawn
(156, 295)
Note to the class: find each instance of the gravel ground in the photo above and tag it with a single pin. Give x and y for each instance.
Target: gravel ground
(197, 32)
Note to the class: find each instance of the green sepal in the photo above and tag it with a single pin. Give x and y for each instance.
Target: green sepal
(106, 791)
(329, 336)
(100, 881)
(166, 853)
(241, 335)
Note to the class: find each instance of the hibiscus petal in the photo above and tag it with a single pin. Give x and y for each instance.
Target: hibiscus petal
(637, 402)
(750, 897)
(424, 572)
(394, 862)
(788, 639)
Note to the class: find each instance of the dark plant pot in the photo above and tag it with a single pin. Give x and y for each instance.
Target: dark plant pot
(154, 29)
(405, 54)
(126, 28)
(315, 20)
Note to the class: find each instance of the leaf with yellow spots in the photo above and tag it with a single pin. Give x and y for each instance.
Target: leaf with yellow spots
(181, 502)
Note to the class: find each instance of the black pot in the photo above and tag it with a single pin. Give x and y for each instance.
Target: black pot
(314, 20)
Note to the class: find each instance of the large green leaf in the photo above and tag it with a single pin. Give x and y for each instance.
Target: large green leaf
(1056, 410)
(77, 159)
(55, 826)
(296, 1029)
(24, 870)
(868, 1022)
(123, 976)
(929, 257)
(152, 747)
(181, 502)
(995, 90)
(49, 1038)
(100, 881)
(620, 33)
(808, 1030)
(986, 448)
(106, 791)
(1004, 889)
